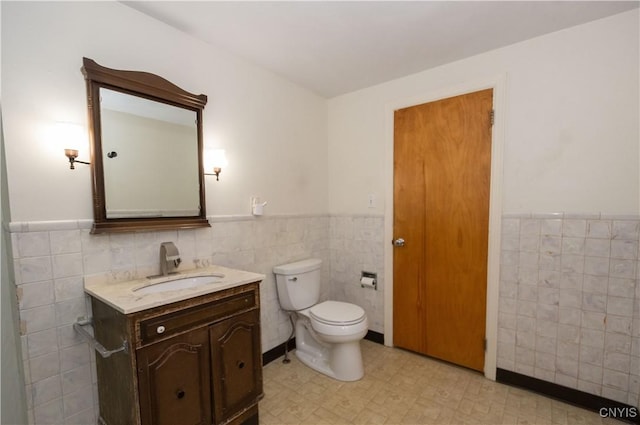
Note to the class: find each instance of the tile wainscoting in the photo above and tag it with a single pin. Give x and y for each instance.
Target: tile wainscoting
(569, 310)
(356, 245)
(51, 260)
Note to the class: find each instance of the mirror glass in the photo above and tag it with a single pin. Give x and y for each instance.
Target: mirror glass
(150, 157)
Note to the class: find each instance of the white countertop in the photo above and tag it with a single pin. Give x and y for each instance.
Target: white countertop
(123, 297)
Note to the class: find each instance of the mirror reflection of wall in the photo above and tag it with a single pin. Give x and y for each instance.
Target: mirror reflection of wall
(150, 157)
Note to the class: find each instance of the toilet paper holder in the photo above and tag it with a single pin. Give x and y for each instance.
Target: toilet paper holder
(369, 280)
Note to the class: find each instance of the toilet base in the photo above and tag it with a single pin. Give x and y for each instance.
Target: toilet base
(341, 361)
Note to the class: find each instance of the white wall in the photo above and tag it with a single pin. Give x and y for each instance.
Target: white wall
(274, 132)
(571, 122)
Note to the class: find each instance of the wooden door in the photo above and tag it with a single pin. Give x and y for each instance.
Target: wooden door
(237, 364)
(174, 380)
(442, 163)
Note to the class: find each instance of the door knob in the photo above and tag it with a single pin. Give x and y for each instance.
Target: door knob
(398, 242)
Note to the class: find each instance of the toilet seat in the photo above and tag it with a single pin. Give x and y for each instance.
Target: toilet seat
(337, 313)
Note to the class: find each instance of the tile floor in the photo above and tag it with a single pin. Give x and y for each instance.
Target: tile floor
(400, 387)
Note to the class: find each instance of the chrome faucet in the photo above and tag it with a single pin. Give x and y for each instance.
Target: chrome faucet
(169, 258)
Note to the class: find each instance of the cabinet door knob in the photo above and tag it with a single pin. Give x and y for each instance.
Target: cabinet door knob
(180, 394)
(160, 329)
(240, 364)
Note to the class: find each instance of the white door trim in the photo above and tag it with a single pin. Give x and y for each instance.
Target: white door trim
(499, 86)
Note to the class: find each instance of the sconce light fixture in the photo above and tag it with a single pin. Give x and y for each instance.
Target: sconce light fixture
(216, 159)
(72, 154)
(69, 134)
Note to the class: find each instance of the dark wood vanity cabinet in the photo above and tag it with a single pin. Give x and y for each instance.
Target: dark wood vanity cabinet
(194, 362)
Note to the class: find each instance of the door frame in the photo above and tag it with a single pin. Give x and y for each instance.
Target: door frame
(498, 84)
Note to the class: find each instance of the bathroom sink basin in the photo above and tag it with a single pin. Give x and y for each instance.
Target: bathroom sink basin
(178, 283)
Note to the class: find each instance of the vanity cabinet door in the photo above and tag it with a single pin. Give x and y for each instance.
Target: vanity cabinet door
(237, 364)
(174, 379)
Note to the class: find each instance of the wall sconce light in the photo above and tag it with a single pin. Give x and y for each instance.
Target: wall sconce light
(69, 134)
(72, 154)
(216, 159)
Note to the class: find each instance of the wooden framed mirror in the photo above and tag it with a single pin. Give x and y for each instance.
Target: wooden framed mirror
(146, 151)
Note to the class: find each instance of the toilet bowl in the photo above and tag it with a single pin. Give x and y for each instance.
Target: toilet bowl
(336, 321)
(328, 333)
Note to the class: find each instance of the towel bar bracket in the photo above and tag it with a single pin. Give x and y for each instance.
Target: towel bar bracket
(79, 327)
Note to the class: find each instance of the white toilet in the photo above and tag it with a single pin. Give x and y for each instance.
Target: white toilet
(328, 334)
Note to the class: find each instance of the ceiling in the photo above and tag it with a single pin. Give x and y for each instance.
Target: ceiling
(334, 47)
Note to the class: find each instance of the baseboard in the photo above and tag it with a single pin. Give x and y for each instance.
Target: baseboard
(375, 337)
(275, 352)
(601, 405)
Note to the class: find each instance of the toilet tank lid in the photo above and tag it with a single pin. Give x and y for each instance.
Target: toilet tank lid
(298, 267)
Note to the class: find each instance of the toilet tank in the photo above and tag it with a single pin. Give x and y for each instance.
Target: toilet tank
(298, 284)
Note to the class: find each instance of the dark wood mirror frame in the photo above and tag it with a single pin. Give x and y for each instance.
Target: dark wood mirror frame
(149, 86)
